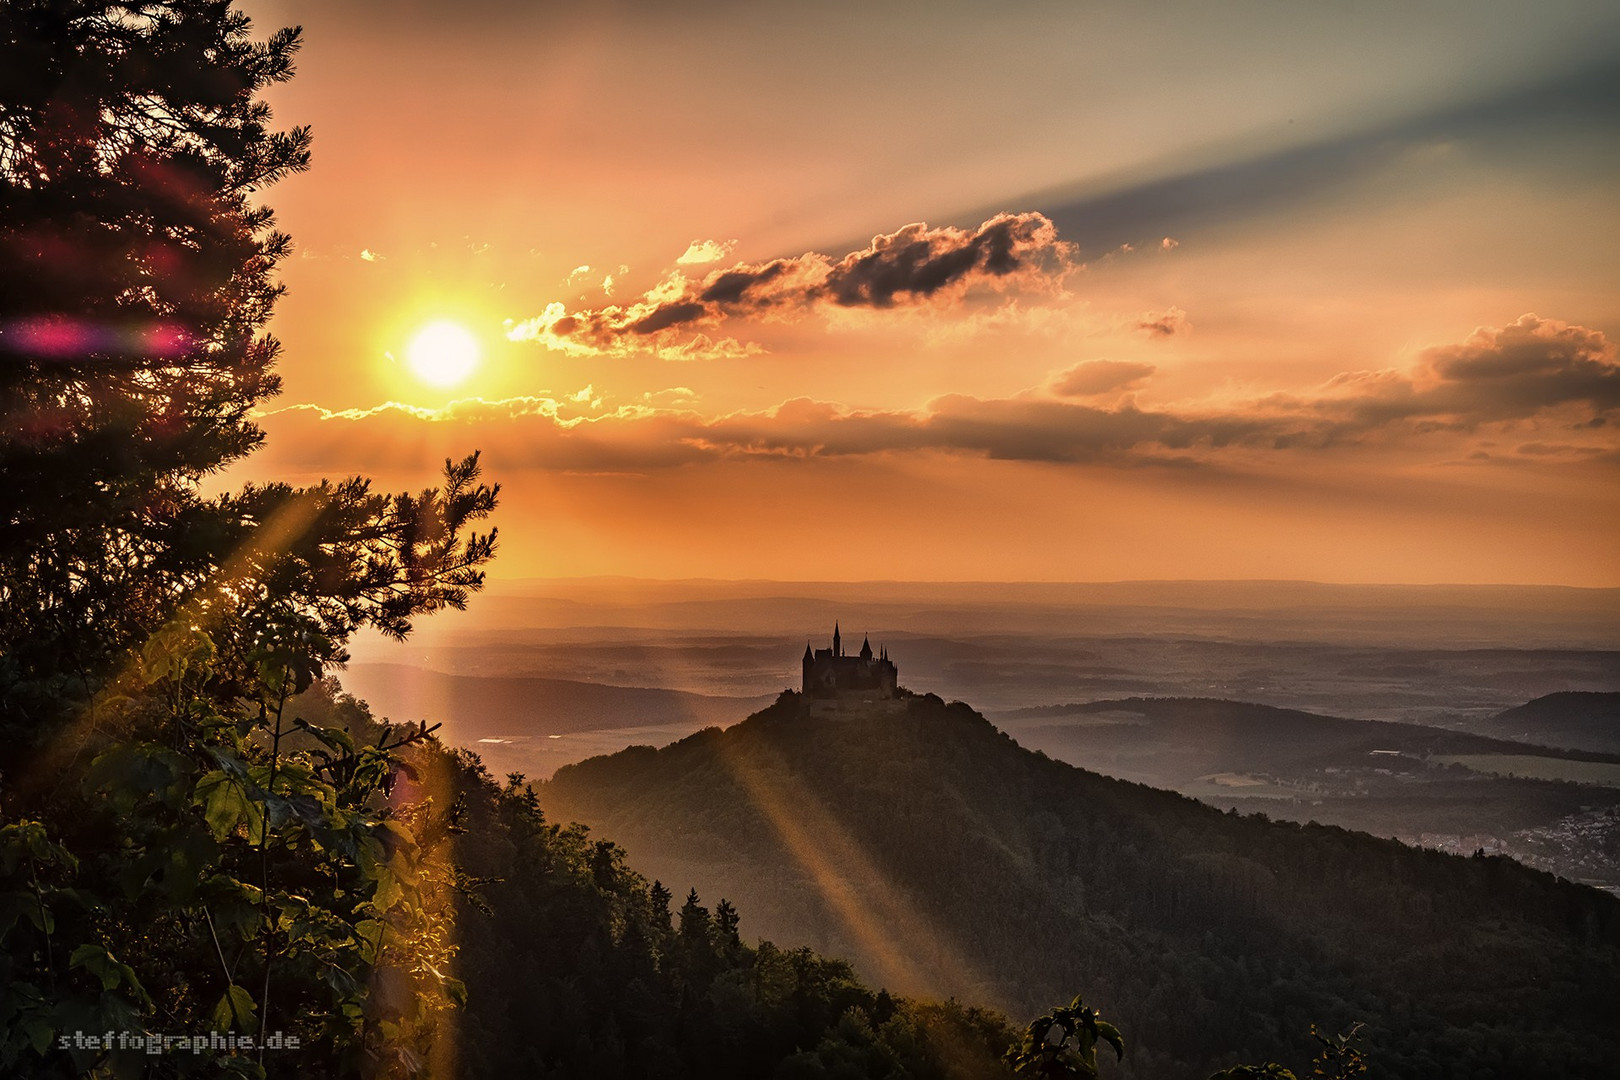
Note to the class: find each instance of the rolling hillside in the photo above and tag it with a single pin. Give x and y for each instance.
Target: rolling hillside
(1166, 741)
(1581, 721)
(943, 858)
(1557, 810)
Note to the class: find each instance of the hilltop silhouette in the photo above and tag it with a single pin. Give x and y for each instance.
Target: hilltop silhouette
(944, 859)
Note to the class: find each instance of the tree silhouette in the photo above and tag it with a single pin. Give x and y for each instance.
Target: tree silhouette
(1062, 1044)
(1339, 1059)
(137, 279)
(1269, 1071)
(661, 897)
(180, 847)
(726, 921)
(694, 922)
(137, 274)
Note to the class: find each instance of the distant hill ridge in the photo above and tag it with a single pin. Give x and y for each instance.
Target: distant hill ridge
(1309, 732)
(477, 706)
(1573, 719)
(942, 857)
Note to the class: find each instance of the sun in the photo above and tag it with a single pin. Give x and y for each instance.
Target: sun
(442, 353)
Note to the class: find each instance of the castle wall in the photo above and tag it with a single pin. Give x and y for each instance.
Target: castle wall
(828, 675)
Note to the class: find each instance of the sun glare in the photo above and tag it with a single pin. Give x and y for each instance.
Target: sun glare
(442, 353)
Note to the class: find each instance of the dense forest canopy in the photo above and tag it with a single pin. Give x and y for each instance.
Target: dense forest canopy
(1002, 876)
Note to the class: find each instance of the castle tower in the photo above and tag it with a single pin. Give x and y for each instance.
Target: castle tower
(830, 675)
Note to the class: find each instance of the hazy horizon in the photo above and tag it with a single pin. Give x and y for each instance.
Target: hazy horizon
(513, 676)
(520, 613)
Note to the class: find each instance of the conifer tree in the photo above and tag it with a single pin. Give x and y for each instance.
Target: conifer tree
(661, 896)
(136, 277)
(726, 921)
(170, 860)
(694, 919)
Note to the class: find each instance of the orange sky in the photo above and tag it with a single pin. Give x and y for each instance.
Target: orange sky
(1262, 290)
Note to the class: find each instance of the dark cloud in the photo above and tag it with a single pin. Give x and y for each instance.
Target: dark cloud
(1531, 362)
(666, 316)
(1532, 371)
(732, 288)
(1163, 324)
(1498, 374)
(1532, 376)
(1099, 377)
(915, 265)
(917, 262)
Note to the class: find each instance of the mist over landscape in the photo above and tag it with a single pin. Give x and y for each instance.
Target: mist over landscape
(1445, 656)
(1303, 701)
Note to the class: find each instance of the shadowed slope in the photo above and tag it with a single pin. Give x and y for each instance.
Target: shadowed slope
(1579, 721)
(1205, 935)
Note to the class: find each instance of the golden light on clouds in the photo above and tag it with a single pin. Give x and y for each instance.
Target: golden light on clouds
(1340, 318)
(442, 353)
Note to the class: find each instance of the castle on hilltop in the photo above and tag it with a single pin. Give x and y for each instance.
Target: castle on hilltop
(829, 674)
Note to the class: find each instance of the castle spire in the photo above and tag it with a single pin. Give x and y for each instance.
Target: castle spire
(866, 648)
(838, 648)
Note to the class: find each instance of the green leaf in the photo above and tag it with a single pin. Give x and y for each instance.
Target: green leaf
(389, 891)
(235, 1011)
(28, 840)
(103, 965)
(1109, 1034)
(130, 773)
(396, 835)
(174, 650)
(42, 918)
(297, 778)
(39, 1032)
(229, 762)
(370, 932)
(334, 738)
(14, 905)
(225, 806)
(96, 960)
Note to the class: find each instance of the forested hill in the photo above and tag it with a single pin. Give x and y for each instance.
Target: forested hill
(1583, 721)
(943, 858)
(1226, 734)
